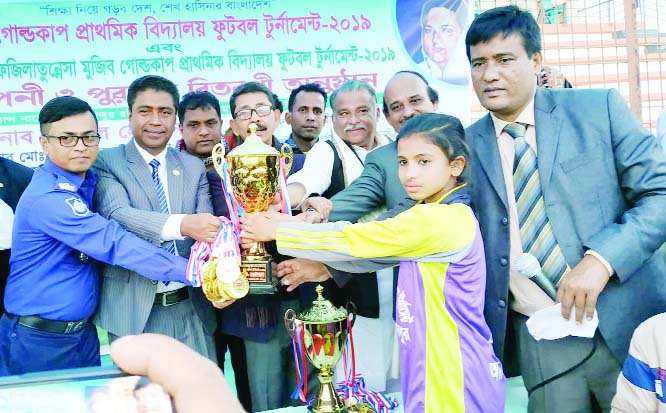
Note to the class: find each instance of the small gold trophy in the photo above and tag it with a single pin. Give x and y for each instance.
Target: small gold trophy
(325, 336)
(255, 172)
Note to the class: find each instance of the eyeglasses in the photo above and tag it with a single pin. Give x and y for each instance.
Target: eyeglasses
(246, 114)
(69, 141)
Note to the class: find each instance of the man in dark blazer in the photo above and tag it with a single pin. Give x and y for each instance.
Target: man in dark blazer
(603, 184)
(127, 191)
(14, 178)
(258, 319)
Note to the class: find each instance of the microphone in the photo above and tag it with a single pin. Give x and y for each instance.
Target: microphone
(529, 266)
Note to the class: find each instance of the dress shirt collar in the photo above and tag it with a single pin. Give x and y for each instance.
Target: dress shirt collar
(161, 157)
(526, 117)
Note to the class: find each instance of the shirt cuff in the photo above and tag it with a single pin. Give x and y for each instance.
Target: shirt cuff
(603, 261)
(305, 196)
(171, 228)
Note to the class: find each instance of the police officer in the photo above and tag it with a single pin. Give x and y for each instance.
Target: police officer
(53, 286)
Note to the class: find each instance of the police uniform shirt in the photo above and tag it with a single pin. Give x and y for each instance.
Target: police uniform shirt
(55, 232)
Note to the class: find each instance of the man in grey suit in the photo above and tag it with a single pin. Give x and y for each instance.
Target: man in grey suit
(161, 195)
(600, 186)
(406, 94)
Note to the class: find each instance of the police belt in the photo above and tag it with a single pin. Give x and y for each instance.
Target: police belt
(169, 298)
(51, 326)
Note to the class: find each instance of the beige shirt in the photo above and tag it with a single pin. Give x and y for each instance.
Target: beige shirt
(528, 297)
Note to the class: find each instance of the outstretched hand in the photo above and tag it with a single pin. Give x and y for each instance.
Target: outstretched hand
(320, 204)
(296, 271)
(261, 226)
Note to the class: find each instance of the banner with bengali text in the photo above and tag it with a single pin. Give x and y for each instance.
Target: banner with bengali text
(94, 49)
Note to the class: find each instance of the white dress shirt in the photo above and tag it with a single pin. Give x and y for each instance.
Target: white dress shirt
(171, 229)
(315, 176)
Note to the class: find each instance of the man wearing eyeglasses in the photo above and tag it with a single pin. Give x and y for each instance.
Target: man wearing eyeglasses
(53, 285)
(252, 102)
(257, 319)
(160, 194)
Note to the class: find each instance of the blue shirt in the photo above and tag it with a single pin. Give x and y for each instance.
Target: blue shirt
(53, 226)
(290, 141)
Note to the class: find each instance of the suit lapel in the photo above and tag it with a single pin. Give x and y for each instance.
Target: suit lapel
(547, 134)
(485, 146)
(175, 176)
(141, 171)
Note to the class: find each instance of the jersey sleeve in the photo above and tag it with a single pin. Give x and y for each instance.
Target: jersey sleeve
(424, 232)
(639, 387)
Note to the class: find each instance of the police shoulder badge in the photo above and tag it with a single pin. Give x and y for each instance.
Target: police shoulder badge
(79, 208)
(66, 186)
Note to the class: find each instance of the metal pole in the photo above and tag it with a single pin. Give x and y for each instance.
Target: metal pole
(631, 31)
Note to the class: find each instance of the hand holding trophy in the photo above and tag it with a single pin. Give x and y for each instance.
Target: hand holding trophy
(221, 276)
(251, 175)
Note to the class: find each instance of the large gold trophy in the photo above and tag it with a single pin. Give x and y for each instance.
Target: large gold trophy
(325, 331)
(254, 169)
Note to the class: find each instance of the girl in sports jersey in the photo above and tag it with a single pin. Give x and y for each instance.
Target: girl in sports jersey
(446, 354)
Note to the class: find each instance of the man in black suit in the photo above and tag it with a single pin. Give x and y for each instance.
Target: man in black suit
(14, 177)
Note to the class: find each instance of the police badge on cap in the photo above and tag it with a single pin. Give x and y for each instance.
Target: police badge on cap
(79, 208)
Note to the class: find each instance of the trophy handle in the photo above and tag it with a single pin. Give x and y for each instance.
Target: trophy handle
(290, 321)
(288, 155)
(351, 310)
(218, 158)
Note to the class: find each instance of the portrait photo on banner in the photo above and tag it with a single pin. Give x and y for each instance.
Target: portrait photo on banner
(433, 35)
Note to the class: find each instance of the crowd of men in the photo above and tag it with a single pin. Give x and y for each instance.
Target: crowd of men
(600, 181)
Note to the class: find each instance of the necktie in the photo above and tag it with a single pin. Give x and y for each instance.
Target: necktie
(164, 207)
(536, 233)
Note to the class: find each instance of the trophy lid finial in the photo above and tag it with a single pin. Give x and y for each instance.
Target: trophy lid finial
(319, 290)
(322, 310)
(253, 145)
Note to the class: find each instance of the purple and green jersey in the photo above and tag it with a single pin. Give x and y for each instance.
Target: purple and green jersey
(446, 354)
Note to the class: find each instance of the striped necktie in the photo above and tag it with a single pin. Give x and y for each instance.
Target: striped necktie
(164, 207)
(536, 233)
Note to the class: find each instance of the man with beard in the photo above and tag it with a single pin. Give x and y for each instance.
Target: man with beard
(306, 116)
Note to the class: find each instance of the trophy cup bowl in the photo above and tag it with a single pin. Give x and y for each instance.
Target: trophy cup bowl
(254, 169)
(325, 330)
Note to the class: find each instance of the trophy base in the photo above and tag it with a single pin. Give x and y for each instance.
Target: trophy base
(327, 401)
(259, 274)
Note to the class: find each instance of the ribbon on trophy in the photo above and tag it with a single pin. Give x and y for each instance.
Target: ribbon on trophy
(353, 390)
(216, 266)
(300, 361)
